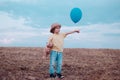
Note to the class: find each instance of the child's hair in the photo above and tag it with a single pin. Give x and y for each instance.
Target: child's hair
(53, 26)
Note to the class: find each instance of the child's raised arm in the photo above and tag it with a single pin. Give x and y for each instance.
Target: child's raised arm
(78, 31)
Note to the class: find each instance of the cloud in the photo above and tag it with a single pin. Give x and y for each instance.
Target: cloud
(94, 36)
(16, 29)
(95, 32)
(6, 41)
(7, 21)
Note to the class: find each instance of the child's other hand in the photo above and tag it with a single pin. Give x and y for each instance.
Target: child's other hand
(78, 31)
(50, 45)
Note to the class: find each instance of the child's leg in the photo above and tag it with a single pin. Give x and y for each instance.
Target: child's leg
(59, 65)
(53, 56)
(59, 62)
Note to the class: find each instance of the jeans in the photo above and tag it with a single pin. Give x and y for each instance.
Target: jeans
(55, 62)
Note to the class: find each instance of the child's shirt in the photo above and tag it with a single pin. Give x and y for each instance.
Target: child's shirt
(57, 41)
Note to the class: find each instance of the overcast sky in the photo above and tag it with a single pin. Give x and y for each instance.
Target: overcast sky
(26, 23)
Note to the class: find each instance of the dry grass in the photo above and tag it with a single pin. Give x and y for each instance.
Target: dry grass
(78, 64)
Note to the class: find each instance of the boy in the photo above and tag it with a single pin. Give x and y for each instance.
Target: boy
(55, 49)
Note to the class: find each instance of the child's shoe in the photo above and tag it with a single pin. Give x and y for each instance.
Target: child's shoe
(52, 75)
(60, 76)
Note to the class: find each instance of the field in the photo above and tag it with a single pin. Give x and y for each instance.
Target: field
(20, 63)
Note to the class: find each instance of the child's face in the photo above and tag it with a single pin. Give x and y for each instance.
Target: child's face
(57, 29)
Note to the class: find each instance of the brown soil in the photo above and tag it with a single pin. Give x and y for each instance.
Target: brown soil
(78, 64)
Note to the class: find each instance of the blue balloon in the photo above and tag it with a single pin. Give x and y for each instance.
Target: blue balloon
(76, 14)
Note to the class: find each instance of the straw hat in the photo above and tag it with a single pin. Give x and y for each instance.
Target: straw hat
(53, 26)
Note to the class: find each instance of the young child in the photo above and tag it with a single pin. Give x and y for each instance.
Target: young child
(55, 49)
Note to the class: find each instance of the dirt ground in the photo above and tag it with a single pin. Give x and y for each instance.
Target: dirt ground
(20, 63)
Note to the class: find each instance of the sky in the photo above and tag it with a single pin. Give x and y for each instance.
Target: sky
(26, 23)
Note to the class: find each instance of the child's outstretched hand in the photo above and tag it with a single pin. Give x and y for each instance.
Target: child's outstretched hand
(78, 31)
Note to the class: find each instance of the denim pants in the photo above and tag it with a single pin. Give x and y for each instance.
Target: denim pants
(55, 62)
